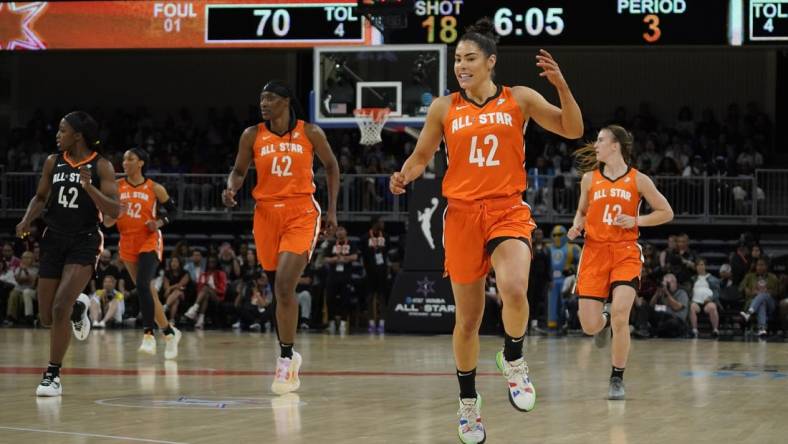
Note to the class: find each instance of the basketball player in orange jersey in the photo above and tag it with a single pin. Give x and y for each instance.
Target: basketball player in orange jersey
(487, 222)
(141, 244)
(76, 188)
(611, 260)
(286, 216)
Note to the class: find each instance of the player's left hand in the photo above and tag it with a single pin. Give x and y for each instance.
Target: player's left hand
(152, 225)
(84, 176)
(550, 69)
(330, 223)
(624, 221)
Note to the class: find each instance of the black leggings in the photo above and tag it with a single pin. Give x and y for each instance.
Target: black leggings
(147, 264)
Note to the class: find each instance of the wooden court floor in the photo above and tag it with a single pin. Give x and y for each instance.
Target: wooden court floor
(391, 389)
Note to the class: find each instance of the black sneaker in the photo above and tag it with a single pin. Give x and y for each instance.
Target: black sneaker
(616, 392)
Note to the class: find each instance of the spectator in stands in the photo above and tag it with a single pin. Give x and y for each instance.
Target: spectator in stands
(757, 253)
(374, 246)
(669, 307)
(339, 258)
(730, 296)
(669, 250)
(740, 261)
(642, 310)
(211, 288)
(668, 167)
(103, 268)
(688, 256)
(705, 294)
(253, 305)
(181, 251)
(229, 262)
(9, 257)
(539, 280)
(304, 296)
(24, 292)
(175, 282)
(7, 283)
(761, 291)
(696, 168)
(196, 266)
(749, 158)
(650, 258)
(109, 300)
(685, 124)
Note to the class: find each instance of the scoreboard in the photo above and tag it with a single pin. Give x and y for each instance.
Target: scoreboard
(180, 24)
(572, 22)
(767, 21)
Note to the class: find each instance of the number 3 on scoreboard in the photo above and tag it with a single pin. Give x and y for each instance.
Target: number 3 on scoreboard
(653, 26)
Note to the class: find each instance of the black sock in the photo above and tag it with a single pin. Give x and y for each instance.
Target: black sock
(286, 350)
(512, 347)
(53, 369)
(617, 372)
(467, 383)
(168, 330)
(147, 331)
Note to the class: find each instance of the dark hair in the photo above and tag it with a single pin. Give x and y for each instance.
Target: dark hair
(143, 156)
(586, 156)
(283, 90)
(483, 34)
(84, 124)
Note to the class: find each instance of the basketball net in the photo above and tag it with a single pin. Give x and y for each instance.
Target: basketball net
(371, 122)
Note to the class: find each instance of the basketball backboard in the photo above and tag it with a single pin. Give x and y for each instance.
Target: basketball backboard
(404, 78)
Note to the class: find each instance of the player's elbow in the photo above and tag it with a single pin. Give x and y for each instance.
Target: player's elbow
(668, 214)
(575, 131)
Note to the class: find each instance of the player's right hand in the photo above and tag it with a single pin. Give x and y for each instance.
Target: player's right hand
(22, 229)
(397, 183)
(228, 198)
(574, 232)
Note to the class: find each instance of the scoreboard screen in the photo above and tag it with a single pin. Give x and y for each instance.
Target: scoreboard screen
(180, 24)
(572, 22)
(767, 21)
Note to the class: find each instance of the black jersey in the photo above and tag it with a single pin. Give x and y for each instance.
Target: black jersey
(70, 209)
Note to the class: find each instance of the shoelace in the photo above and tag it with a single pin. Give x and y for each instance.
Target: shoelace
(282, 370)
(470, 413)
(47, 380)
(520, 370)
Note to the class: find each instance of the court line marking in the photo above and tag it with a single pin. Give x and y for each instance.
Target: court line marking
(93, 435)
(217, 372)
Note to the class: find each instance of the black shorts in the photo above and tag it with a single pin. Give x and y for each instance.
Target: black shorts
(59, 249)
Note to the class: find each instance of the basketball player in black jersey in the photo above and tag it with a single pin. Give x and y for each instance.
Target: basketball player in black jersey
(77, 186)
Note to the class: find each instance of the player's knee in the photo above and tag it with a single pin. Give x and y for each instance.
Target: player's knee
(619, 319)
(61, 310)
(468, 327)
(513, 286)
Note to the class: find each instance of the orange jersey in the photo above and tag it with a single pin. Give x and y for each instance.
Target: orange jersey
(284, 164)
(606, 200)
(485, 146)
(141, 205)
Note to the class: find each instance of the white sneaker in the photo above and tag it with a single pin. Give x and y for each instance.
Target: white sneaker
(80, 322)
(286, 377)
(200, 322)
(100, 324)
(191, 313)
(256, 327)
(471, 429)
(148, 345)
(171, 349)
(522, 394)
(332, 327)
(49, 386)
(342, 327)
(237, 325)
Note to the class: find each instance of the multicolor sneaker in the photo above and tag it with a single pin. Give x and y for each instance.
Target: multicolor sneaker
(522, 393)
(49, 386)
(471, 429)
(286, 376)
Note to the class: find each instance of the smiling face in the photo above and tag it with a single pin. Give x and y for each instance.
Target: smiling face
(273, 105)
(472, 66)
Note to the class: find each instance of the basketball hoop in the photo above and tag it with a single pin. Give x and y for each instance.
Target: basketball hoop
(371, 122)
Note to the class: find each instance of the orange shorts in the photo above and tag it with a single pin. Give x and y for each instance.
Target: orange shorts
(605, 265)
(470, 226)
(132, 244)
(290, 225)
